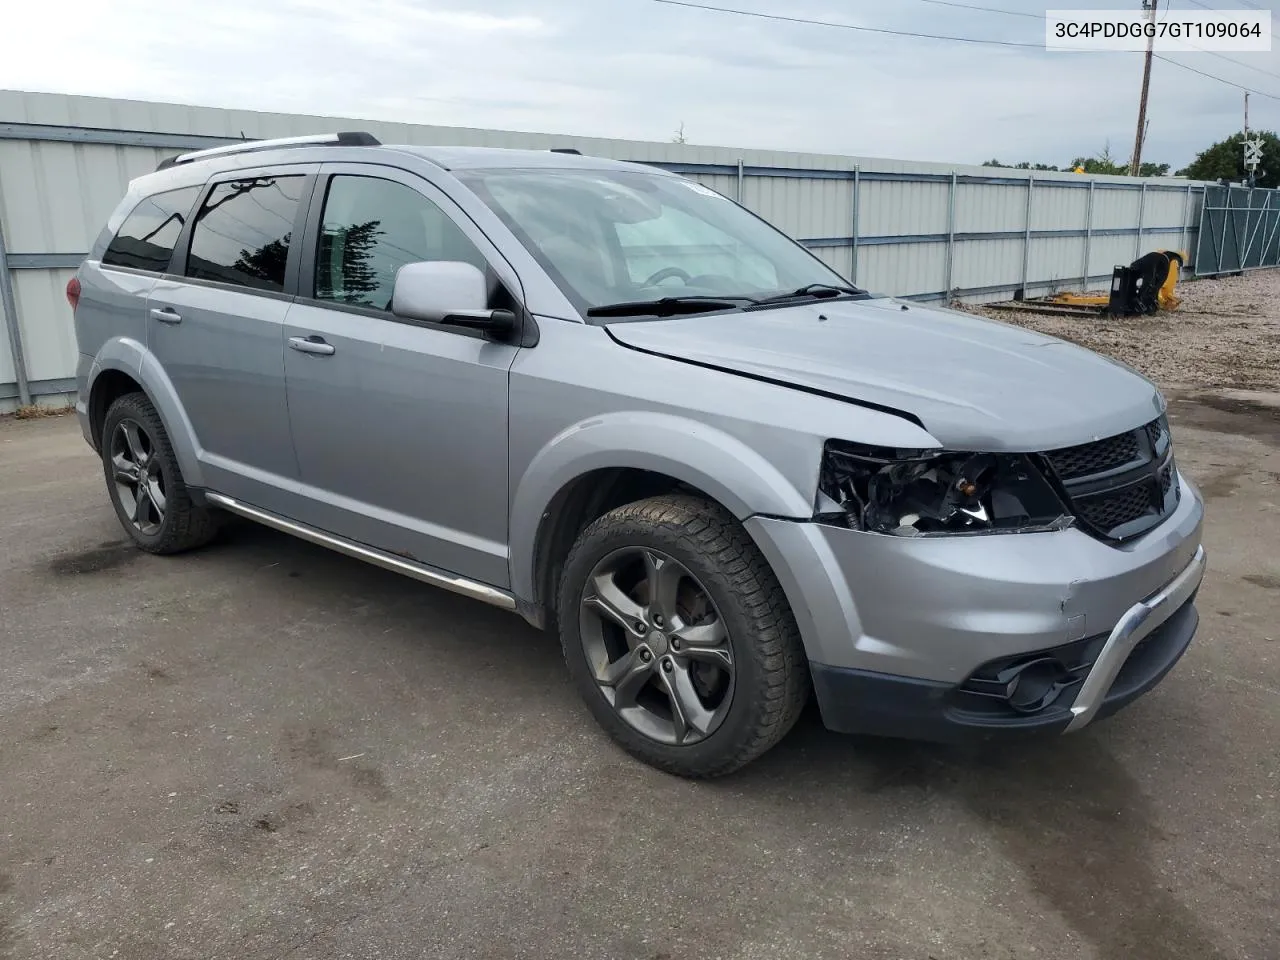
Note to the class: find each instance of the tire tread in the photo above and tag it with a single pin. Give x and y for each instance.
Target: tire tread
(187, 525)
(705, 528)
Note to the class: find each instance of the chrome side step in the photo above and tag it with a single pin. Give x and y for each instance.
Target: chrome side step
(468, 588)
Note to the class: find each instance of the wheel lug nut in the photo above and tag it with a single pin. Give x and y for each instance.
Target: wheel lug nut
(645, 656)
(640, 627)
(666, 666)
(675, 643)
(657, 620)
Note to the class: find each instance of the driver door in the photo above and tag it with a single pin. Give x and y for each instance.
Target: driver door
(400, 427)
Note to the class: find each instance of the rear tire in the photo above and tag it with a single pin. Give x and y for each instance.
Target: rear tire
(145, 483)
(668, 601)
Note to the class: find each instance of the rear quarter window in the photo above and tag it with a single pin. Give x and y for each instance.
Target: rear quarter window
(146, 238)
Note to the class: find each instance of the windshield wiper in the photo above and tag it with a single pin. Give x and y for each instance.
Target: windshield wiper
(818, 291)
(668, 306)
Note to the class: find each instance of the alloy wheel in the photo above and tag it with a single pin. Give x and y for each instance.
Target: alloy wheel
(139, 481)
(657, 646)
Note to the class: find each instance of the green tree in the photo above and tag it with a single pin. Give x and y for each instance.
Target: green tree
(1225, 161)
(1024, 165)
(1102, 163)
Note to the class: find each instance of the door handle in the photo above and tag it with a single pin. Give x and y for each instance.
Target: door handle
(166, 315)
(311, 344)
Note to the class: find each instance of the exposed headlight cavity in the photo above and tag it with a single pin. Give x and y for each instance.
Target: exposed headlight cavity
(914, 493)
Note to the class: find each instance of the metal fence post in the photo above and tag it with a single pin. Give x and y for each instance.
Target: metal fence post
(1271, 239)
(1026, 235)
(1088, 239)
(951, 238)
(10, 310)
(1186, 223)
(1142, 211)
(740, 176)
(857, 198)
(1226, 215)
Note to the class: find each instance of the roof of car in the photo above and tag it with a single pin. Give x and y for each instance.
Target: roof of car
(488, 158)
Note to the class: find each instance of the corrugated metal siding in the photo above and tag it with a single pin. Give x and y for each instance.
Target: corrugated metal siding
(983, 208)
(54, 197)
(49, 341)
(988, 263)
(896, 208)
(1058, 208)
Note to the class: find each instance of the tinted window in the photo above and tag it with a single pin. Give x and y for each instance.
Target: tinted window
(370, 229)
(147, 236)
(243, 230)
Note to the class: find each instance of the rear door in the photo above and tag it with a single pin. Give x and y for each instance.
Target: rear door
(217, 328)
(400, 427)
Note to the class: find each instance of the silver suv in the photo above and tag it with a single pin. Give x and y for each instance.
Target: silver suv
(617, 403)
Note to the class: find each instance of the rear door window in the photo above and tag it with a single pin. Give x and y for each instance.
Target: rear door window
(243, 231)
(146, 239)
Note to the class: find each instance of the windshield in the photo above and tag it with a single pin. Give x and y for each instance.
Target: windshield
(618, 236)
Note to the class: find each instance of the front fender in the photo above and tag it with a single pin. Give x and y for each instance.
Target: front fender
(716, 463)
(133, 358)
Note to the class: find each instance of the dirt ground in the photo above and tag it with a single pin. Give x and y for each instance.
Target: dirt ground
(264, 750)
(1225, 334)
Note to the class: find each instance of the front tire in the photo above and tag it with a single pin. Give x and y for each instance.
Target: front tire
(679, 637)
(145, 483)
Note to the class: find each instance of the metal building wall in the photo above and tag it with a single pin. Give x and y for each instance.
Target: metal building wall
(921, 230)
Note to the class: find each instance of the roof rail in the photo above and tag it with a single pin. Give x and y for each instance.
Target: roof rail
(576, 152)
(345, 139)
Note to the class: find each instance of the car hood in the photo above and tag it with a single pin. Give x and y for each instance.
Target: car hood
(974, 384)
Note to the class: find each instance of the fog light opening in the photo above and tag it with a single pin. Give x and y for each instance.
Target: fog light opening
(1035, 685)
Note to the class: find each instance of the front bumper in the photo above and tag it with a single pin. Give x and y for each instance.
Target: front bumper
(925, 615)
(1134, 657)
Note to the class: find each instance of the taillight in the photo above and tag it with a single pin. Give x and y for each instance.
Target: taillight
(73, 292)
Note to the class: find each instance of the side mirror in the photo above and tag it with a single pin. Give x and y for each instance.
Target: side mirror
(448, 292)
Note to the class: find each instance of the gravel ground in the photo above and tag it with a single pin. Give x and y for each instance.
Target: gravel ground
(1225, 334)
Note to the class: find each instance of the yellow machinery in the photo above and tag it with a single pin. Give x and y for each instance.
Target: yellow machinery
(1145, 286)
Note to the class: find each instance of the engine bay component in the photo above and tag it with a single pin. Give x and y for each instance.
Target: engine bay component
(915, 493)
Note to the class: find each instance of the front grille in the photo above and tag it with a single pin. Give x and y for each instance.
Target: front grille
(1111, 510)
(1121, 486)
(1090, 458)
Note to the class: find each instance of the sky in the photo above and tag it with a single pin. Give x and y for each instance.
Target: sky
(639, 69)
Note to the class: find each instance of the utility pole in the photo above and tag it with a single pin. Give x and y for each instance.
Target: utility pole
(1135, 165)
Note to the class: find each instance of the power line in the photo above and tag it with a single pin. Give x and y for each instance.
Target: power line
(1238, 63)
(1036, 16)
(1212, 53)
(969, 6)
(846, 26)
(689, 4)
(1230, 83)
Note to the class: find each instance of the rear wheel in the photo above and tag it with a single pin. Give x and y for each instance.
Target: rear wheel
(145, 483)
(679, 637)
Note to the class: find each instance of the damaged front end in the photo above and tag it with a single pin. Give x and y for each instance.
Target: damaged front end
(921, 493)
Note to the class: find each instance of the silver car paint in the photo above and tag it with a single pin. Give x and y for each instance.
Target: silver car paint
(579, 401)
(975, 384)
(933, 608)
(401, 436)
(225, 362)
